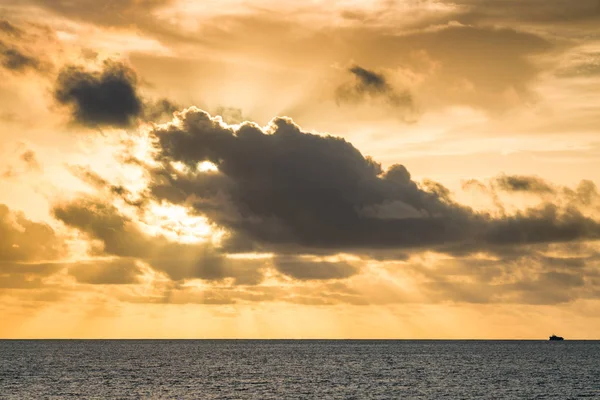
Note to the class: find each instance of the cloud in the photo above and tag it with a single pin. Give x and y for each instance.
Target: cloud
(369, 80)
(306, 269)
(26, 162)
(490, 67)
(138, 15)
(160, 110)
(121, 236)
(520, 183)
(541, 12)
(30, 159)
(284, 185)
(231, 115)
(10, 29)
(108, 97)
(280, 187)
(114, 272)
(13, 59)
(584, 196)
(17, 275)
(102, 98)
(27, 250)
(285, 190)
(368, 85)
(430, 55)
(528, 278)
(118, 13)
(24, 240)
(580, 65)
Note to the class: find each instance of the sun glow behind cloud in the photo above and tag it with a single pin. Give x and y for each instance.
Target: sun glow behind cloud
(175, 223)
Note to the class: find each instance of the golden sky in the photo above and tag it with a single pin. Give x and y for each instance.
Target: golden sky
(316, 169)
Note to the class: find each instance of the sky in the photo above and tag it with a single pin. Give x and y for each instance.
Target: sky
(316, 169)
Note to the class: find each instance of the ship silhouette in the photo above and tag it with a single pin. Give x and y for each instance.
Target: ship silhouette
(554, 337)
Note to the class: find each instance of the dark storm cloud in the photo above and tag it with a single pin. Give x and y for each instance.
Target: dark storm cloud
(121, 237)
(368, 85)
(104, 98)
(284, 187)
(520, 183)
(306, 269)
(290, 186)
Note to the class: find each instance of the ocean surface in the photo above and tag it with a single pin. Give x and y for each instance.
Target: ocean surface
(288, 369)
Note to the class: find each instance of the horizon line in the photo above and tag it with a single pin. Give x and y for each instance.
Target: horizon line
(306, 339)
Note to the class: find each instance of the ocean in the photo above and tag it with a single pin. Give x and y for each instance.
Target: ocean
(298, 369)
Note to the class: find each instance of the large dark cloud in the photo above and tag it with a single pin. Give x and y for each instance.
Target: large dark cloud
(284, 187)
(288, 186)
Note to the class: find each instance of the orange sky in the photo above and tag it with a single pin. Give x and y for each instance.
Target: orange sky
(263, 169)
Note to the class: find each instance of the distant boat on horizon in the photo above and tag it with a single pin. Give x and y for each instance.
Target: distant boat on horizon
(554, 337)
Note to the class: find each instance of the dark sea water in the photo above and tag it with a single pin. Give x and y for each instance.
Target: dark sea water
(245, 369)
